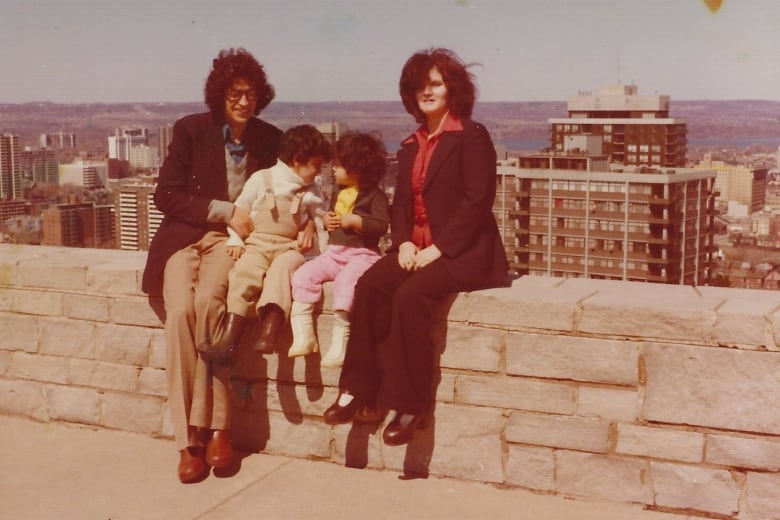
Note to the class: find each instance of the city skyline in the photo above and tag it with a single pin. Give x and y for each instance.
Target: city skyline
(349, 50)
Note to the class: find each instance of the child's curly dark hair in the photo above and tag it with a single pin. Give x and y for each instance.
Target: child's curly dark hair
(362, 155)
(302, 143)
(229, 65)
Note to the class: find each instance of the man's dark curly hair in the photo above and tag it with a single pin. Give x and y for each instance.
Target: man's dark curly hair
(362, 155)
(461, 85)
(302, 143)
(228, 66)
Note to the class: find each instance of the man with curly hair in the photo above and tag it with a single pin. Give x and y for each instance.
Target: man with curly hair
(210, 157)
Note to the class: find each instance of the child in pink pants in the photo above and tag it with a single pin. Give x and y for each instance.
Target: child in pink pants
(357, 219)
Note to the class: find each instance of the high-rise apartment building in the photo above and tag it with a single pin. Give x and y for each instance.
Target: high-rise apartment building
(630, 129)
(164, 138)
(13, 208)
(741, 190)
(143, 156)
(124, 139)
(574, 217)
(86, 173)
(78, 225)
(10, 167)
(137, 218)
(40, 166)
(59, 140)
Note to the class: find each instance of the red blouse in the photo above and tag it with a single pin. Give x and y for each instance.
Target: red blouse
(421, 231)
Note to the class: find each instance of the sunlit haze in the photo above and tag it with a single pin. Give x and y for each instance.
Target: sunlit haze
(352, 50)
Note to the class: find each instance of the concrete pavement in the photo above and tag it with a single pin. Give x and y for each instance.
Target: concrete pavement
(63, 472)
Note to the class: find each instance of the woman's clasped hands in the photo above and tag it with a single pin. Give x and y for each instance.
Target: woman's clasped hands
(410, 258)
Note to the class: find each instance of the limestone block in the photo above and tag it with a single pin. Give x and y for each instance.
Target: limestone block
(61, 268)
(71, 404)
(471, 348)
(659, 443)
(296, 400)
(743, 452)
(445, 390)
(5, 361)
(515, 393)
(124, 344)
(167, 426)
(6, 297)
(133, 311)
(159, 349)
(673, 312)
(71, 338)
(743, 316)
(152, 381)
(530, 467)
(461, 442)
(118, 274)
(690, 487)
(298, 438)
(23, 398)
(304, 369)
(86, 307)
(603, 477)
(359, 445)
(761, 500)
(251, 395)
(104, 376)
(251, 365)
(11, 255)
(521, 306)
(131, 413)
(19, 333)
(774, 322)
(40, 303)
(558, 431)
(51, 369)
(458, 309)
(571, 357)
(714, 387)
(618, 404)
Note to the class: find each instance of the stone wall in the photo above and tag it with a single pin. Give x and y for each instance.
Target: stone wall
(665, 396)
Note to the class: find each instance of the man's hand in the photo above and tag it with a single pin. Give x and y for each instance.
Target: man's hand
(241, 222)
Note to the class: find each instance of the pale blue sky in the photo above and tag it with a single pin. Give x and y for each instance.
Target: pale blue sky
(348, 50)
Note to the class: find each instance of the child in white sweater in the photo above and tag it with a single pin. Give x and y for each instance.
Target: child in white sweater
(282, 200)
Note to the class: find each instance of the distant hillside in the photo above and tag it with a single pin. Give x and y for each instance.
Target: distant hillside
(507, 121)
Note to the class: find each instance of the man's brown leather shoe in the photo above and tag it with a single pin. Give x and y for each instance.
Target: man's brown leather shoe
(192, 465)
(219, 450)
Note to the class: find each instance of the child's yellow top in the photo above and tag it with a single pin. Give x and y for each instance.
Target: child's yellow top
(346, 201)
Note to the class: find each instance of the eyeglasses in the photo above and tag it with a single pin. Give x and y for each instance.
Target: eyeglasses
(235, 94)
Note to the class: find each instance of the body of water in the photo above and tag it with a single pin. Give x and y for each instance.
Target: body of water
(534, 145)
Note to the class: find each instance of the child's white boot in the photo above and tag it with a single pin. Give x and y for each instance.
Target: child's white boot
(302, 324)
(338, 342)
